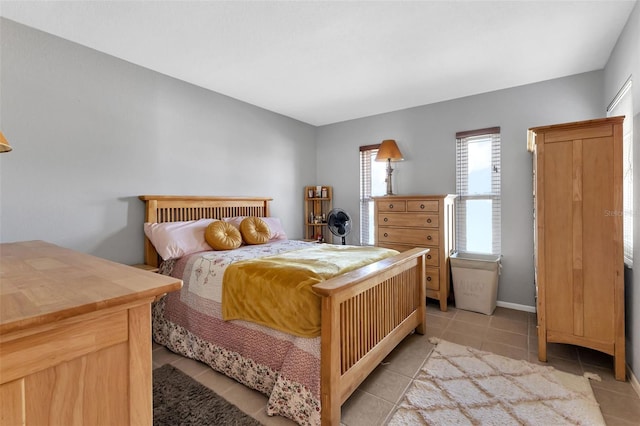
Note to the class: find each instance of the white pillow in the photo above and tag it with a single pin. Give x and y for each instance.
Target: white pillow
(177, 239)
(275, 226)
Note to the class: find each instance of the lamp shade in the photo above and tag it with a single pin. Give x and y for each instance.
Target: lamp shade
(4, 144)
(388, 150)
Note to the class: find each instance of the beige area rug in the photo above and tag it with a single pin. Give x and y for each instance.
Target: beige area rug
(459, 385)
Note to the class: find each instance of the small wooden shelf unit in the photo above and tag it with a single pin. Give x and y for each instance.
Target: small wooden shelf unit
(316, 210)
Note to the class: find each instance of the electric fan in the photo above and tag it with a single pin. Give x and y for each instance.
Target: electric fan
(339, 223)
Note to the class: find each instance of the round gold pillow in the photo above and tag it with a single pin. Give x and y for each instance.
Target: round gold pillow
(221, 235)
(254, 230)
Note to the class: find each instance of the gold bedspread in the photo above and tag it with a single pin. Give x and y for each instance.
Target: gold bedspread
(276, 291)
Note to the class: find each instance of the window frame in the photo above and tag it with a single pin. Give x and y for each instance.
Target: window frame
(367, 152)
(622, 104)
(462, 186)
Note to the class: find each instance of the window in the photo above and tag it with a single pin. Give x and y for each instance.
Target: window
(623, 105)
(478, 189)
(372, 183)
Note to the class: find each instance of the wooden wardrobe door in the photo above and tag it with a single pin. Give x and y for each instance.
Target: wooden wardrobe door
(598, 248)
(558, 235)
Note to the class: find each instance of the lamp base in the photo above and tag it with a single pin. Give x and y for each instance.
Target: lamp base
(389, 171)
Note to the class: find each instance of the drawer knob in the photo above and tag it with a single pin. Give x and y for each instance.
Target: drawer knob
(422, 206)
(429, 237)
(429, 220)
(386, 219)
(386, 235)
(390, 206)
(428, 256)
(428, 278)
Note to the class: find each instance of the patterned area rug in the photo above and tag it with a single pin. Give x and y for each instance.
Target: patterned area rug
(465, 386)
(180, 400)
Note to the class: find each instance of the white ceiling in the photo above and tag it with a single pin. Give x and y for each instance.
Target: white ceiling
(323, 62)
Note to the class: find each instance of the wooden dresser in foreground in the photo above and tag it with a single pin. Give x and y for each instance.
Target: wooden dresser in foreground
(407, 221)
(75, 337)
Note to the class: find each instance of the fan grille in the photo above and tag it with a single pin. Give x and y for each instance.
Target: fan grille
(339, 223)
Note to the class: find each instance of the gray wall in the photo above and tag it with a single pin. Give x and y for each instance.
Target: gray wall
(426, 137)
(625, 61)
(91, 132)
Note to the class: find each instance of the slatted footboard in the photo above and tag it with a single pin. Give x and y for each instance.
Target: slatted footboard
(365, 314)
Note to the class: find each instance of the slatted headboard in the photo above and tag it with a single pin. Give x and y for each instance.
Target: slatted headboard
(174, 208)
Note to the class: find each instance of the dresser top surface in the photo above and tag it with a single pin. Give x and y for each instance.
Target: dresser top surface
(42, 283)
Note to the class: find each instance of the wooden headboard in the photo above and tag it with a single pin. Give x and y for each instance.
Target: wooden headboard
(175, 208)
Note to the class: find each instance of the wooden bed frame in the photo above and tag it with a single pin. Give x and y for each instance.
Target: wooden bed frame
(365, 313)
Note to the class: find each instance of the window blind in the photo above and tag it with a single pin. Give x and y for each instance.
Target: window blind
(478, 205)
(367, 156)
(622, 104)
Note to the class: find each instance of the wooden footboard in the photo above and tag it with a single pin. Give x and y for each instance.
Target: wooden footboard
(365, 314)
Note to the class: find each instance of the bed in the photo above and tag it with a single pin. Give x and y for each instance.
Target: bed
(365, 313)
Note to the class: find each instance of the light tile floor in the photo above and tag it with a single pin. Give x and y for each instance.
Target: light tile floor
(507, 332)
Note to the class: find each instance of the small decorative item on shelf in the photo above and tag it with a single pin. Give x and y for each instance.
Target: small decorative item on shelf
(320, 238)
(324, 192)
(318, 191)
(310, 193)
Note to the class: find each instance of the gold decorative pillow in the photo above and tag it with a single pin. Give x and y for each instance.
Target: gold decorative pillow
(254, 230)
(222, 236)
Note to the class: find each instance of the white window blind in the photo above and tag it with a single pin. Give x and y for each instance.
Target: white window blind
(622, 104)
(478, 211)
(371, 184)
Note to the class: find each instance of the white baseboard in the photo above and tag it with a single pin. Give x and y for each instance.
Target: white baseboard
(516, 306)
(633, 380)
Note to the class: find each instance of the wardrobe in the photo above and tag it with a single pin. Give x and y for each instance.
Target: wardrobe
(578, 236)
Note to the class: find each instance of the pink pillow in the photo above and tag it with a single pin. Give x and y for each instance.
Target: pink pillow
(275, 226)
(177, 239)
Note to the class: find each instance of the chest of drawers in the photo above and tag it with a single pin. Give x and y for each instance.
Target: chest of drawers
(405, 222)
(75, 337)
